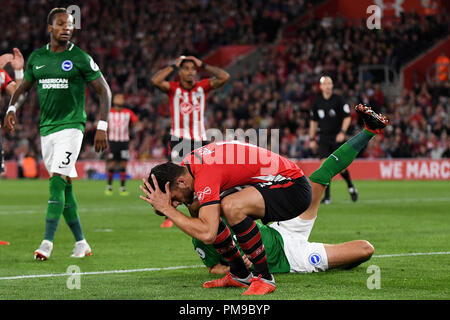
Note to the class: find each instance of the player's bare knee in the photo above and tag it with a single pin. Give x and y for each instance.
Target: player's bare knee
(232, 210)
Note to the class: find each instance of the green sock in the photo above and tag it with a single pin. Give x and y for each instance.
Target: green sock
(341, 158)
(55, 206)
(71, 213)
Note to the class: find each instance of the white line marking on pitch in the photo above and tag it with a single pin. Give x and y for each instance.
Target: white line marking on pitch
(184, 267)
(408, 254)
(96, 272)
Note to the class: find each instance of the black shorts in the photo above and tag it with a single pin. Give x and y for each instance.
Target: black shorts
(327, 145)
(181, 148)
(118, 151)
(285, 200)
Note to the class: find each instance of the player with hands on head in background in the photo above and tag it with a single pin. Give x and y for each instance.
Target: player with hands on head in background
(187, 98)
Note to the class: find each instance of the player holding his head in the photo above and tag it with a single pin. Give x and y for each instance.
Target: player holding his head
(120, 119)
(287, 243)
(187, 104)
(278, 191)
(331, 116)
(61, 71)
(281, 194)
(8, 85)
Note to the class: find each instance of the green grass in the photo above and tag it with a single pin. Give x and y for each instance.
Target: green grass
(397, 217)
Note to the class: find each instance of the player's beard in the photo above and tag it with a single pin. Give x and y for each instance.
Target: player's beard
(62, 42)
(189, 196)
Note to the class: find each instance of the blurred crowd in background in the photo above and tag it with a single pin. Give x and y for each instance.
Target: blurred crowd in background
(131, 40)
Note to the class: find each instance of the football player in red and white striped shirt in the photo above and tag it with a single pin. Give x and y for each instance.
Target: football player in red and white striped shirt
(7, 84)
(119, 122)
(187, 105)
(188, 102)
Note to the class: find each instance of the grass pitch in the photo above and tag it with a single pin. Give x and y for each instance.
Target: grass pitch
(133, 258)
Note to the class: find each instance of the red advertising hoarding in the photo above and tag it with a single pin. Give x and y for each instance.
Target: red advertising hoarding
(380, 169)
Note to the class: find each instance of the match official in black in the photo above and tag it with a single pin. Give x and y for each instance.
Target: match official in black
(330, 119)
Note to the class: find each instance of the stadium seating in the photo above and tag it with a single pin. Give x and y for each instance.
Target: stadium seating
(131, 40)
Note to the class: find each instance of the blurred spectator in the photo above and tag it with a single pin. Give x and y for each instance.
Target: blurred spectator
(443, 63)
(29, 166)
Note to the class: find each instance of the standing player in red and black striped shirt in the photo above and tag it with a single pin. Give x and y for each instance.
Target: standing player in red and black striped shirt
(119, 122)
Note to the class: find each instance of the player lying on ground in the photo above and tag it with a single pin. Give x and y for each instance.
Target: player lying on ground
(61, 71)
(278, 197)
(286, 242)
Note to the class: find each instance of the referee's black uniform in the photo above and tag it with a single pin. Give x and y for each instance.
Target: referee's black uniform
(329, 115)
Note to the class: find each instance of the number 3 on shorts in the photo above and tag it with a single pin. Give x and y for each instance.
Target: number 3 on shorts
(68, 158)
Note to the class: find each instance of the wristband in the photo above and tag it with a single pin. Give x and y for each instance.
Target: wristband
(174, 67)
(102, 125)
(11, 108)
(203, 66)
(18, 74)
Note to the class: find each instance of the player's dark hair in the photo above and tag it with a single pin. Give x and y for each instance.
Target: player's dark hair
(52, 13)
(186, 60)
(165, 172)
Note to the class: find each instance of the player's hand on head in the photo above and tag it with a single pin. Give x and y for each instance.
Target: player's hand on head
(197, 62)
(179, 60)
(159, 199)
(100, 141)
(17, 62)
(5, 59)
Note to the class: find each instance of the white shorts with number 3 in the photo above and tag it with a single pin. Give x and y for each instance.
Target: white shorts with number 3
(60, 151)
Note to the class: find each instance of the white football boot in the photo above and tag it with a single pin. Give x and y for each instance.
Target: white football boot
(81, 249)
(44, 250)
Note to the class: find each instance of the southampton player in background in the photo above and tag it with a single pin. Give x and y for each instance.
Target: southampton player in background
(119, 122)
(61, 71)
(331, 115)
(187, 105)
(8, 85)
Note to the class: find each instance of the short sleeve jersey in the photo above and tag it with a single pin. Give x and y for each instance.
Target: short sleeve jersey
(220, 166)
(187, 109)
(61, 79)
(5, 79)
(329, 113)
